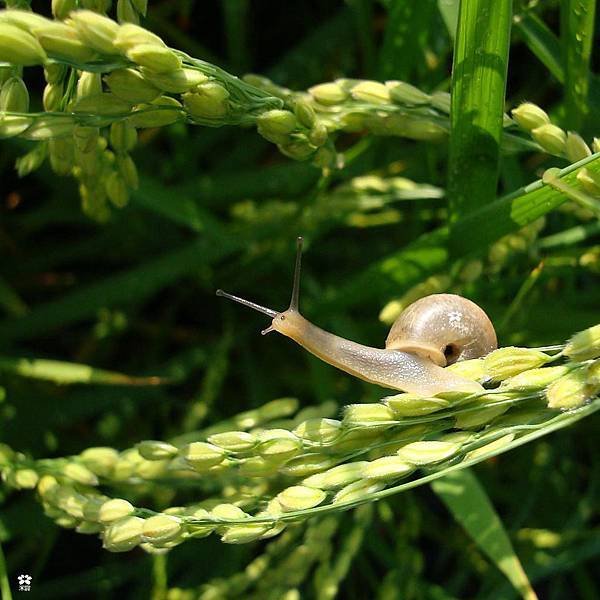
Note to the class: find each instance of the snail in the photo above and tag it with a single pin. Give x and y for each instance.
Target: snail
(433, 332)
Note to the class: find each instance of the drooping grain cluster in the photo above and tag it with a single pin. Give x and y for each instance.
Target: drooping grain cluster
(105, 80)
(273, 469)
(556, 141)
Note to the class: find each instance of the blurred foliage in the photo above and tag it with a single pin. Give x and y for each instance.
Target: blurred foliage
(220, 208)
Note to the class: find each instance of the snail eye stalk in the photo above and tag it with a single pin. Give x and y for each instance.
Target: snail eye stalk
(295, 290)
(296, 284)
(263, 309)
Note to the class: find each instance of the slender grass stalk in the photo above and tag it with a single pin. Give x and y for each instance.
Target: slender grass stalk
(66, 372)
(160, 583)
(478, 86)
(520, 296)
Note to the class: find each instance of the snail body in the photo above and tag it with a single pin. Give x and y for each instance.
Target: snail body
(430, 334)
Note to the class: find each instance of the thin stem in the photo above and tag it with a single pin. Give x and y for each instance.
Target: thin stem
(524, 290)
(159, 576)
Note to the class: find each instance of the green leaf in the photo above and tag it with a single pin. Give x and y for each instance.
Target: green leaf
(478, 86)
(449, 11)
(67, 372)
(468, 502)
(577, 33)
(582, 198)
(571, 236)
(481, 228)
(518, 301)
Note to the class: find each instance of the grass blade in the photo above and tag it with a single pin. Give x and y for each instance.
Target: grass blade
(134, 285)
(571, 236)
(547, 48)
(449, 11)
(582, 198)
(181, 208)
(577, 32)
(507, 214)
(478, 87)
(405, 37)
(546, 564)
(10, 300)
(66, 372)
(542, 42)
(468, 502)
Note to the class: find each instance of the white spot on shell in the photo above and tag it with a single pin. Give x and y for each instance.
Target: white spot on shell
(454, 317)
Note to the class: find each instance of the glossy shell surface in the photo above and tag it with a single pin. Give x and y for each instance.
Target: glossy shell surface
(445, 328)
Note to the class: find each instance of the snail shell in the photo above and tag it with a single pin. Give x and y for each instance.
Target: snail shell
(444, 328)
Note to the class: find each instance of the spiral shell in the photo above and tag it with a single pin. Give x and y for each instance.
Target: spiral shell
(444, 328)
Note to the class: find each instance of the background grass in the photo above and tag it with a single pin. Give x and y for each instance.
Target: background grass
(221, 208)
